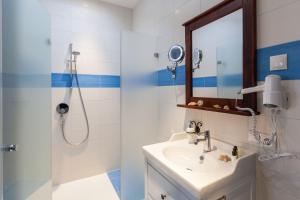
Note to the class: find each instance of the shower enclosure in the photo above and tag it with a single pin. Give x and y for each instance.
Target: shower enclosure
(27, 107)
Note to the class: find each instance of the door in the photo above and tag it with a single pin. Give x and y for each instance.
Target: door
(26, 90)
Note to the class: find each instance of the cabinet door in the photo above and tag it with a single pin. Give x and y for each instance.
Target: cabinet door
(242, 192)
(160, 188)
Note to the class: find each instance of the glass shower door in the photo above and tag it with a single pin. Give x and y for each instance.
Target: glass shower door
(139, 109)
(26, 100)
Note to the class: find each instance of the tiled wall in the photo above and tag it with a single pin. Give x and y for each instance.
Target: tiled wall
(277, 24)
(94, 29)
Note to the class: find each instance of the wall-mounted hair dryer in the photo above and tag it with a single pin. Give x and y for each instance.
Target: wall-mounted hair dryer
(273, 95)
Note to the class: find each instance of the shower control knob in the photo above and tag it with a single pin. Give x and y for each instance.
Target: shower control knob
(62, 108)
(163, 196)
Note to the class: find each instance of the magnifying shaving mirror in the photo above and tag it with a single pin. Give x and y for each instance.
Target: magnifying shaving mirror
(176, 55)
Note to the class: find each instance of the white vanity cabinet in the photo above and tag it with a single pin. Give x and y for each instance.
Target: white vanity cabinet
(159, 187)
(177, 170)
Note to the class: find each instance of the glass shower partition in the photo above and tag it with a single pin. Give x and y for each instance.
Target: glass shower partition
(139, 109)
(26, 100)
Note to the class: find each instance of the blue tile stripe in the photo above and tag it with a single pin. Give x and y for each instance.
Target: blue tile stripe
(61, 80)
(292, 49)
(115, 179)
(210, 81)
(165, 77)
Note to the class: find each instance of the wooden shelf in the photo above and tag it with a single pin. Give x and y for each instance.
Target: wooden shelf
(234, 112)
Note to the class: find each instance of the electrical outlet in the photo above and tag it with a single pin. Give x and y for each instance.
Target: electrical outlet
(278, 62)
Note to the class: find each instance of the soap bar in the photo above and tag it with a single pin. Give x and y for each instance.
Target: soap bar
(217, 106)
(225, 158)
(192, 104)
(226, 108)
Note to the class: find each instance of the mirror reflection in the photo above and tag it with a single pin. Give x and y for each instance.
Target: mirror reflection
(220, 72)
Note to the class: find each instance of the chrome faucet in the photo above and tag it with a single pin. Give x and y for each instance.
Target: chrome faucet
(208, 139)
(207, 136)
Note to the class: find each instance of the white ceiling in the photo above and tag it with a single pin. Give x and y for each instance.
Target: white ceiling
(124, 3)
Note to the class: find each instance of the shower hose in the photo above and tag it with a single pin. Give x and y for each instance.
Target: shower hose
(84, 112)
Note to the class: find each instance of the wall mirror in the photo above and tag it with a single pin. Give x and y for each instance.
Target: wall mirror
(221, 57)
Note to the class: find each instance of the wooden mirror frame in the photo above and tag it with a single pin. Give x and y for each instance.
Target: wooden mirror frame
(249, 55)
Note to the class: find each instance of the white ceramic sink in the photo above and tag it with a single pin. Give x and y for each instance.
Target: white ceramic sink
(189, 158)
(181, 161)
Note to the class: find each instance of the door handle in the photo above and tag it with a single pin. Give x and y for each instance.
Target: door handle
(222, 198)
(8, 148)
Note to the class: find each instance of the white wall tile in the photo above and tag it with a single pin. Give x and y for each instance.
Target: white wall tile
(94, 28)
(207, 4)
(279, 25)
(103, 109)
(271, 5)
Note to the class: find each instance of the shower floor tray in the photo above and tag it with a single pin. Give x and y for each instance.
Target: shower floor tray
(92, 188)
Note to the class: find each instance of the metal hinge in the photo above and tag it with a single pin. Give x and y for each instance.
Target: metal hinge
(8, 148)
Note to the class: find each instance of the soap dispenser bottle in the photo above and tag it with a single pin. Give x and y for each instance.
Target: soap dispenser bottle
(235, 152)
(191, 131)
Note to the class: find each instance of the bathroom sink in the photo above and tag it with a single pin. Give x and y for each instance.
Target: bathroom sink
(199, 173)
(190, 158)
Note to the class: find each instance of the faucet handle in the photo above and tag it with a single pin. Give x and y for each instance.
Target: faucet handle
(197, 127)
(200, 124)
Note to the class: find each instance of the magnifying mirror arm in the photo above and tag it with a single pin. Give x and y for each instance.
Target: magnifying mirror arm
(172, 69)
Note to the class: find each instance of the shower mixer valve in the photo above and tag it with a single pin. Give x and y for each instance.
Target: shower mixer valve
(62, 108)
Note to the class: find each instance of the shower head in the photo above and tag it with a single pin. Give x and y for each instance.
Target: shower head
(75, 53)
